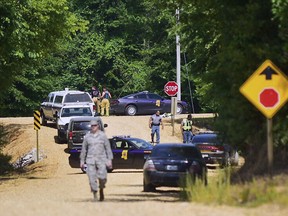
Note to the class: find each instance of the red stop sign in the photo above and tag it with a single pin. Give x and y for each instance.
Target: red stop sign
(171, 88)
(269, 97)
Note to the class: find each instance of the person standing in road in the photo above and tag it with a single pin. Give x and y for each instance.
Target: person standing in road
(105, 105)
(154, 123)
(96, 153)
(186, 128)
(96, 96)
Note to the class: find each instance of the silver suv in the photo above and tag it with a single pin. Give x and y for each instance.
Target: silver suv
(52, 105)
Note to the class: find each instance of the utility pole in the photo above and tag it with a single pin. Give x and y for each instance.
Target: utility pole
(178, 59)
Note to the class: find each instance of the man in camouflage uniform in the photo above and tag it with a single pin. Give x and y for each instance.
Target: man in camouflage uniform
(97, 154)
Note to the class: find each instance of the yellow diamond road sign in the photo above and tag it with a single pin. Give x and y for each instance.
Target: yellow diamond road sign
(266, 89)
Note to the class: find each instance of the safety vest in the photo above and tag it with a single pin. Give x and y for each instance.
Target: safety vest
(187, 125)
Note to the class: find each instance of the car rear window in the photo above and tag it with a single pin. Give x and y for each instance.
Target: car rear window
(204, 139)
(177, 151)
(81, 97)
(80, 126)
(81, 111)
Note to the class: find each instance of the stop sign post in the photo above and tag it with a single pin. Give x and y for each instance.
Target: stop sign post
(171, 88)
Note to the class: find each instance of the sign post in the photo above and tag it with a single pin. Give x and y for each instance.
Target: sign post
(171, 89)
(266, 89)
(37, 127)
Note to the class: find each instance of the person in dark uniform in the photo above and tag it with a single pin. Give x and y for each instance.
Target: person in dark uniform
(154, 123)
(96, 97)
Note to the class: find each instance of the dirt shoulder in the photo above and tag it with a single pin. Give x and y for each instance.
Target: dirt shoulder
(52, 187)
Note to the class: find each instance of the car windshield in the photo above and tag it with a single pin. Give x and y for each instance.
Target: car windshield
(176, 152)
(142, 144)
(77, 111)
(81, 126)
(81, 97)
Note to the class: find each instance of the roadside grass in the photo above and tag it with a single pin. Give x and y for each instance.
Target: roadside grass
(219, 190)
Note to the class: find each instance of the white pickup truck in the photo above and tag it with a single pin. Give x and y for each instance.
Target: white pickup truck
(51, 106)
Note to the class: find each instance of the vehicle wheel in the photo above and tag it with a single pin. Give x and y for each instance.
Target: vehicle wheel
(179, 109)
(131, 110)
(59, 138)
(226, 160)
(235, 160)
(43, 119)
(148, 187)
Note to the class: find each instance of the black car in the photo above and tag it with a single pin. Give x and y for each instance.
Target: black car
(144, 103)
(169, 164)
(214, 151)
(129, 152)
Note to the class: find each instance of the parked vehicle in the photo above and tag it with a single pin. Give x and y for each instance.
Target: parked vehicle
(169, 164)
(78, 127)
(128, 152)
(51, 106)
(67, 112)
(144, 103)
(214, 151)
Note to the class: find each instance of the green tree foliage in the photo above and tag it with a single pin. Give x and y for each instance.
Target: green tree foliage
(29, 31)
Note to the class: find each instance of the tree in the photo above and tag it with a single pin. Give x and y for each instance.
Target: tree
(29, 31)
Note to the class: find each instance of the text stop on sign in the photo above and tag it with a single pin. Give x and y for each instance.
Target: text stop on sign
(171, 88)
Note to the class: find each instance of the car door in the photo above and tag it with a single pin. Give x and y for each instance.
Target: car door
(123, 158)
(156, 102)
(48, 106)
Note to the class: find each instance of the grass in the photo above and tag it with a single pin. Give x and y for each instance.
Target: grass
(250, 194)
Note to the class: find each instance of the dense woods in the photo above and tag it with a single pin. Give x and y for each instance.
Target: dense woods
(129, 46)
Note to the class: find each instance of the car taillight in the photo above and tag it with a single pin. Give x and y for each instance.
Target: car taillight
(94, 107)
(149, 165)
(70, 135)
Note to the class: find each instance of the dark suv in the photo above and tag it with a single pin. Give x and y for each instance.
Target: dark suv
(77, 129)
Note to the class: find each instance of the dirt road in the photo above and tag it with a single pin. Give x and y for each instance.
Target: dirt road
(52, 187)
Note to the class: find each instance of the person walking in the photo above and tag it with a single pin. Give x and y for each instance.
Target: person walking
(186, 128)
(105, 104)
(154, 123)
(96, 97)
(96, 153)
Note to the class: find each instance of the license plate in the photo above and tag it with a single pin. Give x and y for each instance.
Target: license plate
(171, 167)
(204, 155)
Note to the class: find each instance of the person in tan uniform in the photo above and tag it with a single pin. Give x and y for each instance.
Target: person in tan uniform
(105, 104)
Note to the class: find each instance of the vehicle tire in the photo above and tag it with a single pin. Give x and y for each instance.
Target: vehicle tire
(226, 160)
(109, 170)
(235, 160)
(148, 187)
(131, 110)
(59, 138)
(43, 119)
(179, 109)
